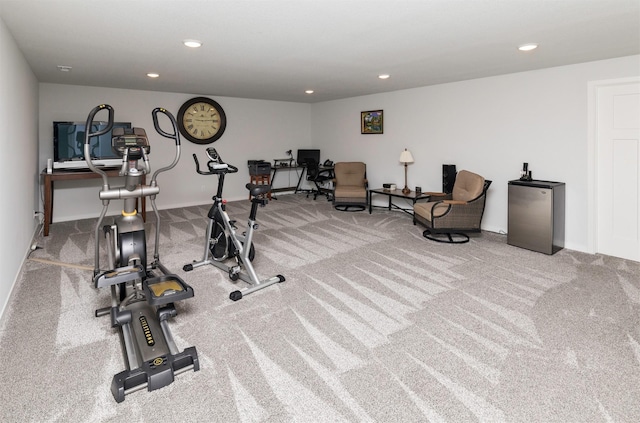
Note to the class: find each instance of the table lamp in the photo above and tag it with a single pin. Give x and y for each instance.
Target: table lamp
(406, 158)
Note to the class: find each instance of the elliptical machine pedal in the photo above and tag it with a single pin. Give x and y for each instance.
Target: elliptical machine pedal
(166, 289)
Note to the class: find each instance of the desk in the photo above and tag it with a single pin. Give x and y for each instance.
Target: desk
(399, 194)
(277, 167)
(70, 175)
(302, 169)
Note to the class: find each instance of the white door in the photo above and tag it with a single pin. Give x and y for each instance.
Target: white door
(618, 170)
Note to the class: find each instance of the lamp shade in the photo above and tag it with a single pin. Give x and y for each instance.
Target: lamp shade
(406, 157)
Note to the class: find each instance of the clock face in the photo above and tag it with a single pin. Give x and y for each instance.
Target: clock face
(202, 120)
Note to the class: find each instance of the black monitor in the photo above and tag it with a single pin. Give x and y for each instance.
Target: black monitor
(68, 141)
(307, 155)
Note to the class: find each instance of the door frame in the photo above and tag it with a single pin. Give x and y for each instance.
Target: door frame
(592, 158)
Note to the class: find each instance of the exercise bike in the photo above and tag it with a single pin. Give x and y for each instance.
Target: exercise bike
(143, 291)
(222, 241)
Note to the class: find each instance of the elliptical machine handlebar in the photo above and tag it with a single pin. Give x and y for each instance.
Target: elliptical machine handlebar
(215, 164)
(88, 134)
(174, 136)
(92, 115)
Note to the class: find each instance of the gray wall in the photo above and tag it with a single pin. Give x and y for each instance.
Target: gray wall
(256, 129)
(489, 126)
(19, 146)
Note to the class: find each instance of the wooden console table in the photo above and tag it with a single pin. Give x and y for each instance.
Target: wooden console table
(70, 175)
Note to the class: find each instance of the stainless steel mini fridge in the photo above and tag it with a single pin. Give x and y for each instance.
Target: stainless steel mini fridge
(536, 215)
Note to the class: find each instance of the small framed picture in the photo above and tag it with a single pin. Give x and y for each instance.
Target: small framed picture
(371, 122)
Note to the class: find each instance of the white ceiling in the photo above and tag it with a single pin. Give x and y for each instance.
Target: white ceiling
(276, 49)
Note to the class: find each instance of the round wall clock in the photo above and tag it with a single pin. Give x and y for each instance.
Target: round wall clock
(201, 120)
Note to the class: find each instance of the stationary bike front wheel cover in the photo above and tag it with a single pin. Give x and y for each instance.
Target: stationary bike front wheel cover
(219, 242)
(233, 251)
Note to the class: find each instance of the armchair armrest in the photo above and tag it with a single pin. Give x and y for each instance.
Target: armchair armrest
(454, 202)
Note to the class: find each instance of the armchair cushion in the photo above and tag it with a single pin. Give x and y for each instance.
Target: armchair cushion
(468, 186)
(430, 209)
(350, 173)
(351, 191)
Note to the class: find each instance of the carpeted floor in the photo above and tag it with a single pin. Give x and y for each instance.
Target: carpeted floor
(374, 323)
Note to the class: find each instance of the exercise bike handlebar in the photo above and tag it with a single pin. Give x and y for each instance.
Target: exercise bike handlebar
(216, 167)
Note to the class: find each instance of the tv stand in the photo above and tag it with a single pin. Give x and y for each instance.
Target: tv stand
(70, 175)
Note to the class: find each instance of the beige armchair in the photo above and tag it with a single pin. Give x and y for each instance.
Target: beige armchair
(350, 186)
(448, 217)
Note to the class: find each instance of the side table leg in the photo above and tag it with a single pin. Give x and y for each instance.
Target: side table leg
(48, 203)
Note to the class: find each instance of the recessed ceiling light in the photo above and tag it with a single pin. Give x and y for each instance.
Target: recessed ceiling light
(528, 47)
(192, 43)
(153, 75)
(384, 76)
(63, 68)
(309, 91)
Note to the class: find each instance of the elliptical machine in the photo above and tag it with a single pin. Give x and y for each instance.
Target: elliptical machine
(143, 292)
(221, 241)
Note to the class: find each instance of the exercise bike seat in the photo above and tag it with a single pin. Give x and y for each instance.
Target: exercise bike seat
(166, 289)
(257, 190)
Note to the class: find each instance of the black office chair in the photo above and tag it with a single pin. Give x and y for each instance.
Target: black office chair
(319, 177)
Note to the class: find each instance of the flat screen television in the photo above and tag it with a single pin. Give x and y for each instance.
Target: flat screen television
(306, 155)
(68, 145)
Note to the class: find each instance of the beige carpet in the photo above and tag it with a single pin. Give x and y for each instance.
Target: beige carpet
(373, 324)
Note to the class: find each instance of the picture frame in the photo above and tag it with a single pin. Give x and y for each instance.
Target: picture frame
(371, 122)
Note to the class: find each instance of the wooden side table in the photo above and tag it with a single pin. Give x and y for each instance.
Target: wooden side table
(70, 175)
(261, 180)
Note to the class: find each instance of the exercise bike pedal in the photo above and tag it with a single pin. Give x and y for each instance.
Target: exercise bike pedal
(234, 272)
(120, 275)
(166, 289)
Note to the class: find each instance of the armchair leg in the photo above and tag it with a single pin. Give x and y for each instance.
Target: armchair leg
(350, 207)
(451, 238)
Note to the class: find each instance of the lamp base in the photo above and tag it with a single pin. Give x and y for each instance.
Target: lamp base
(406, 189)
